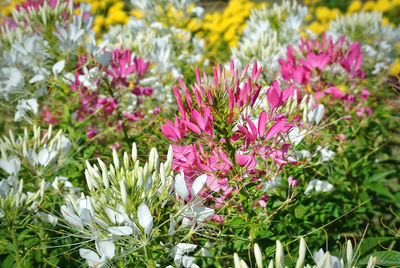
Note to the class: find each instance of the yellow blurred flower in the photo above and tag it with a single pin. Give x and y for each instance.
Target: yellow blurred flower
(395, 67)
(369, 5)
(323, 14)
(354, 6)
(383, 6)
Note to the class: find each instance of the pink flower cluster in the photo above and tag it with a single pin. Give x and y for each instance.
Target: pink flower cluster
(114, 83)
(229, 142)
(323, 66)
(318, 65)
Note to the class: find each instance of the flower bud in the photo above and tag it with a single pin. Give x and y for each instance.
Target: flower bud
(236, 260)
(302, 253)
(126, 160)
(258, 255)
(115, 159)
(349, 252)
(124, 196)
(101, 164)
(279, 255)
(104, 176)
(134, 153)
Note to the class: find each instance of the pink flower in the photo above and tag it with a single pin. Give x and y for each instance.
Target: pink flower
(274, 95)
(364, 93)
(92, 132)
(292, 183)
(116, 145)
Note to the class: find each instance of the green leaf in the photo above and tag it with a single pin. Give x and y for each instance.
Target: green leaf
(378, 176)
(380, 190)
(370, 243)
(385, 258)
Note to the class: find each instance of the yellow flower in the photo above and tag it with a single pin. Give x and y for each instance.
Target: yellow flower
(342, 88)
(384, 21)
(369, 5)
(137, 14)
(354, 6)
(395, 67)
(318, 28)
(323, 13)
(383, 6)
(334, 13)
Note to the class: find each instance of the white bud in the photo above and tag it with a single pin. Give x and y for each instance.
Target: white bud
(126, 160)
(170, 155)
(271, 264)
(12, 138)
(243, 264)
(140, 177)
(134, 153)
(372, 261)
(302, 253)
(115, 158)
(124, 196)
(146, 170)
(101, 164)
(112, 170)
(258, 255)
(151, 159)
(279, 255)
(20, 186)
(162, 173)
(104, 176)
(349, 252)
(236, 260)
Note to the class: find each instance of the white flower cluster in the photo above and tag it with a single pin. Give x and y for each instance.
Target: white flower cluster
(27, 53)
(268, 32)
(377, 42)
(124, 197)
(168, 48)
(39, 156)
(348, 258)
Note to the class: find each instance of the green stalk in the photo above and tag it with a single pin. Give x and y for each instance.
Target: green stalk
(16, 248)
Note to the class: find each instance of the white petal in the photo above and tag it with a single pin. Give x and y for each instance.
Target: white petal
(202, 213)
(5, 165)
(43, 156)
(198, 184)
(92, 259)
(106, 248)
(120, 230)
(36, 78)
(180, 186)
(58, 67)
(70, 216)
(145, 218)
(32, 157)
(187, 261)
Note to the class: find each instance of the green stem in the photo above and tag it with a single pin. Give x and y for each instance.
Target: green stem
(16, 248)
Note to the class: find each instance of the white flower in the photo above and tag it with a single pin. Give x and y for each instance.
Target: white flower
(318, 186)
(144, 217)
(11, 166)
(105, 248)
(296, 136)
(45, 156)
(26, 105)
(321, 259)
(271, 184)
(178, 253)
(316, 115)
(326, 154)
(180, 186)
